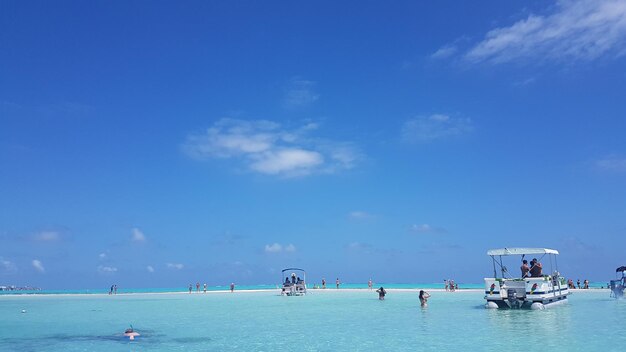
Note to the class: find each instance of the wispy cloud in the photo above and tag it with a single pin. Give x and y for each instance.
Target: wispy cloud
(102, 256)
(137, 235)
(38, 265)
(150, 269)
(106, 269)
(267, 148)
(424, 129)
(426, 229)
(359, 247)
(359, 215)
(279, 248)
(7, 266)
(299, 93)
(575, 31)
(176, 266)
(445, 51)
(612, 163)
(47, 236)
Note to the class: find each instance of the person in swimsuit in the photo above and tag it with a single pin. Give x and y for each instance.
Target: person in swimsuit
(525, 269)
(369, 284)
(131, 333)
(381, 293)
(535, 268)
(424, 296)
(337, 282)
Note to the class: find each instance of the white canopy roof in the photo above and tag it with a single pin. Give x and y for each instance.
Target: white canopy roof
(520, 251)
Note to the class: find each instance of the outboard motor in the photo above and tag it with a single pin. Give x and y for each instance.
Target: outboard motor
(511, 295)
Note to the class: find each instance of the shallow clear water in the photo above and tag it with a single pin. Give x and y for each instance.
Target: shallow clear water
(321, 321)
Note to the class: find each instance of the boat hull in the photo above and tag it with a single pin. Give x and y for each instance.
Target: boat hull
(530, 293)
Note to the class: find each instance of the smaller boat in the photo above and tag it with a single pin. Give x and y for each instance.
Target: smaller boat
(293, 284)
(532, 289)
(618, 285)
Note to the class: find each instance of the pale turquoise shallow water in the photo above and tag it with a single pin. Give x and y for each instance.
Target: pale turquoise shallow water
(322, 321)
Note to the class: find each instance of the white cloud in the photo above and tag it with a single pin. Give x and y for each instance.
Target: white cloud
(576, 30)
(7, 266)
(106, 269)
(267, 148)
(426, 229)
(47, 236)
(176, 266)
(273, 248)
(424, 129)
(137, 235)
(38, 266)
(612, 163)
(293, 161)
(278, 248)
(444, 52)
(299, 93)
(150, 269)
(102, 256)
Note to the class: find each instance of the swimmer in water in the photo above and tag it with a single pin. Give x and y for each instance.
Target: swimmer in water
(131, 333)
(381, 293)
(424, 296)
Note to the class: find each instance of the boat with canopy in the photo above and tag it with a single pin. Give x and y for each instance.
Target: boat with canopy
(532, 288)
(293, 284)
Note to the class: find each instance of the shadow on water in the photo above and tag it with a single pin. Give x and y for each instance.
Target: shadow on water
(147, 337)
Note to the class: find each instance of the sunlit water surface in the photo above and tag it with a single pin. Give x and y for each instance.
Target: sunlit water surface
(320, 321)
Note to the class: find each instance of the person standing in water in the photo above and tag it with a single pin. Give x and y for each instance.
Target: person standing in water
(369, 284)
(337, 282)
(323, 283)
(190, 288)
(424, 296)
(232, 287)
(204, 288)
(381, 293)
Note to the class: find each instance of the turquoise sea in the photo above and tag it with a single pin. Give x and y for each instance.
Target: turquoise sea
(324, 320)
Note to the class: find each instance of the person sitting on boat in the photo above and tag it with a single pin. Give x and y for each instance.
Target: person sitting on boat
(535, 268)
(525, 269)
(287, 283)
(381, 293)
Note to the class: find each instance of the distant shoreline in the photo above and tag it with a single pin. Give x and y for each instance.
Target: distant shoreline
(244, 291)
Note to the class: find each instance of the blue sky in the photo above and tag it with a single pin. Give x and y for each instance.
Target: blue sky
(153, 144)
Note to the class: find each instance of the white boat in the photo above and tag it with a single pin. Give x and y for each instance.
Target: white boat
(293, 284)
(618, 285)
(533, 290)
